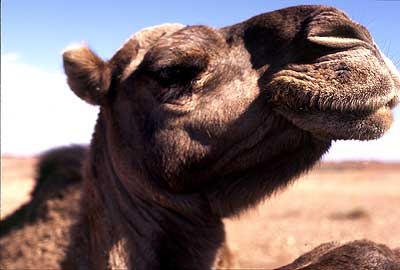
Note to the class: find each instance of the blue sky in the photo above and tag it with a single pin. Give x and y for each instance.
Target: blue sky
(40, 112)
(39, 30)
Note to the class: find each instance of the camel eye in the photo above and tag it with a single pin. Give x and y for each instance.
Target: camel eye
(173, 76)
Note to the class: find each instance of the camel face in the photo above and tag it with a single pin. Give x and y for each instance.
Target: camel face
(234, 98)
(332, 80)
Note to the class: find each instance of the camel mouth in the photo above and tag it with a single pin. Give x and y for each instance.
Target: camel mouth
(354, 107)
(357, 110)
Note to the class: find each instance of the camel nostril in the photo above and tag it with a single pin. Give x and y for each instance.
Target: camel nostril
(337, 31)
(345, 30)
(339, 35)
(336, 42)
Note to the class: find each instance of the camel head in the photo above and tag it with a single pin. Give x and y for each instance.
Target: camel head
(211, 109)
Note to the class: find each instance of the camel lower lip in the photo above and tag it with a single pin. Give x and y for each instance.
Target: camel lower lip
(358, 126)
(336, 125)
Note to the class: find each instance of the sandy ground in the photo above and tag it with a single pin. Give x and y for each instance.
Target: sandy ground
(335, 202)
(17, 176)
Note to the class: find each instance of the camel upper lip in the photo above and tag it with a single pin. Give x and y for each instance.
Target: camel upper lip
(316, 103)
(366, 106)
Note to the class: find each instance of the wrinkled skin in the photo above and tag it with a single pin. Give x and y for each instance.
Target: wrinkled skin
(198, 123)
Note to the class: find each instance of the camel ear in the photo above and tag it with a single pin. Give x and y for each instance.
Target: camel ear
(88, 75)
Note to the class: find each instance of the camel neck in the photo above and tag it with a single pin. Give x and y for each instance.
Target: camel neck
(129, 230)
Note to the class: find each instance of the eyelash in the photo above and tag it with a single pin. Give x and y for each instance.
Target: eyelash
(174, 76)
(176, 82)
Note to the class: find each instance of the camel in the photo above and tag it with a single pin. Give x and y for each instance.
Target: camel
(197, 124)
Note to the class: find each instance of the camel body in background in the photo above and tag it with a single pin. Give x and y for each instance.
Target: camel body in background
(197, 124)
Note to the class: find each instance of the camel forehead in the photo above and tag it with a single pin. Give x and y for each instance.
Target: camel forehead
(193, 42)
(146, 38)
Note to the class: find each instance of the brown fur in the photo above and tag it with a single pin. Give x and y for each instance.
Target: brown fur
(199, 123)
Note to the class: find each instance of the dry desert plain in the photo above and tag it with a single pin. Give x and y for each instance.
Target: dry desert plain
(333, 202)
